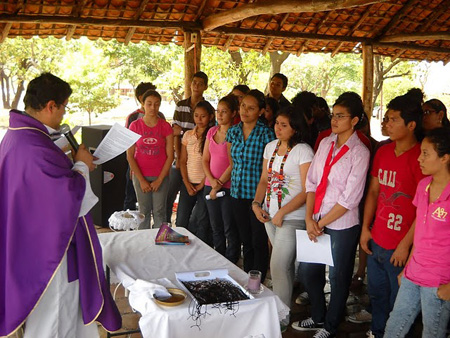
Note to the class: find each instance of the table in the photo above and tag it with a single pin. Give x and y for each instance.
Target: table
(134, 255)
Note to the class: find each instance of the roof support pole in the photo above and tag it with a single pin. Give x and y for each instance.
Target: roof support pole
(367, 90)
(192, 57)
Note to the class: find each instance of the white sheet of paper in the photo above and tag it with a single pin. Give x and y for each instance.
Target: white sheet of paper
(314, 252)
(117, 140)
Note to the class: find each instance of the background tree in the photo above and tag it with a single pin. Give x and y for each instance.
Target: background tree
(23, 59)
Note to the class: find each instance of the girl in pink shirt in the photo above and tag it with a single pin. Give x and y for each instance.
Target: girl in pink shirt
(150, 159)
(191, 191)
(425, 281)
(216, 165)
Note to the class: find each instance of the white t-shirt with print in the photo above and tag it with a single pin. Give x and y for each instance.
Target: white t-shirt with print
(291, 184)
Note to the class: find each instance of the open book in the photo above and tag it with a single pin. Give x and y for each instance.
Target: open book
(166, 235)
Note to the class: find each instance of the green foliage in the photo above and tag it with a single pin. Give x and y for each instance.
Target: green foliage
(323, 75)
(87, 70)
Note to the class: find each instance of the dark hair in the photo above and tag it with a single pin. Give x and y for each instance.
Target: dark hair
(440, 138)
(203, 76)
(151, 92)
(282, 77)
(142, 88)
(438, 106)
(259, 96)
(416, 94)
(353, 103)
(304, 103)
(44, 88)
(210, 110)
(410, 111)
(242, 88)
(321, 103)
(273, 104)
(298, 123)
(231, 101)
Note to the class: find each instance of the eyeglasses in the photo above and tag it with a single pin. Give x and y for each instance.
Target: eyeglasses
(429, 111)
(66, 107)
(338, 117)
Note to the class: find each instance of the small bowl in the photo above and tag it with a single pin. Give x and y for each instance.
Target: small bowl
(178, 297)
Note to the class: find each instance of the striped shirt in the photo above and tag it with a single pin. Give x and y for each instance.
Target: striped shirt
(194, 157)
(345, 181)
(184, 115)
(247, 158)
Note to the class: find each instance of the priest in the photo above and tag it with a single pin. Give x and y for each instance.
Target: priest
(52, 282)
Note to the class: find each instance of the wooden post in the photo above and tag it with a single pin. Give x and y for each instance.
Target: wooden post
(192, 57)
(367, 90)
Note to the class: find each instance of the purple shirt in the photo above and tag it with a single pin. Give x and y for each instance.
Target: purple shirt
(430, 263)
(218, 157)
(345, 182)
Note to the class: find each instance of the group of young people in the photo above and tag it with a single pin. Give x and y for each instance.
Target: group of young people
(260, 167)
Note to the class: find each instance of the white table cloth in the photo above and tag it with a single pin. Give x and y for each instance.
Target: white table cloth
(134, 255)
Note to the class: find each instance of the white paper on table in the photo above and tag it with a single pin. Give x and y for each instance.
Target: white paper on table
(314, 252)
(117, 140)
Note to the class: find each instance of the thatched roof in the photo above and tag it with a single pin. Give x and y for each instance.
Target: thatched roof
(412, 29)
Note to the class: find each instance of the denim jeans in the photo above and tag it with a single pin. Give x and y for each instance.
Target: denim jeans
(343, 249)
(282, 261)
(224, 230)
(152, 202)
(382, 286)
(252, 235)
(410, 300)
(200, 227)
(175, 183)
(130, 195)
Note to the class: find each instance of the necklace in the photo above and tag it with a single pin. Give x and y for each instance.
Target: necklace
(280, 176)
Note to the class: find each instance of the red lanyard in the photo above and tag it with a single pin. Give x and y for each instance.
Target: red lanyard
(280, 176)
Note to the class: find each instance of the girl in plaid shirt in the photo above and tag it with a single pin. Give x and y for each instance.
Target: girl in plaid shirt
(246, 143)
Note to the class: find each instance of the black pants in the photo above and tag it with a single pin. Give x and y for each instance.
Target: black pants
(253, 236)
(130, 195)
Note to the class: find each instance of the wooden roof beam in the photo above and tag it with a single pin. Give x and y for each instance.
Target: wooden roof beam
(228, 42)
(396, 18)
(60, 20)
(138, 14)
(416, 37)
(76, 13)
(270, 40)
(5, 31)
(273, 7)
(354, 28)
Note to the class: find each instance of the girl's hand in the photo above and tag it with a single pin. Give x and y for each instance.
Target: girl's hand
(190, 189)
(277, 220)
(216, 184)
(260, 214)
(443, 292)
(199, 187)
(145, 186)
(313, 230)
(156, 184)
(213, 194)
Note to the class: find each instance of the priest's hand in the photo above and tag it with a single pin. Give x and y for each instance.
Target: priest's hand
(85, 156)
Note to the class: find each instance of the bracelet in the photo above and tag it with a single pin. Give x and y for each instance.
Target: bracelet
(256, 203)
(219, 181)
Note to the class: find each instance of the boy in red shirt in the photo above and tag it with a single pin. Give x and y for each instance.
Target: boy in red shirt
(395, 175)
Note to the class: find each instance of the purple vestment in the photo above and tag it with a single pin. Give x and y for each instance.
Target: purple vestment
(40, 199)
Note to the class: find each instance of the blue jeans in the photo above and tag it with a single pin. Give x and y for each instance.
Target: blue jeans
(382, 286)
(224, 230)
(282, 261)
(200, 227)
(410, 300)
(343, 249)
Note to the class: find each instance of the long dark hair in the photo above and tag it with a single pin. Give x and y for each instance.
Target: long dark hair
(298, 123)
(210, 109)
(353, 103)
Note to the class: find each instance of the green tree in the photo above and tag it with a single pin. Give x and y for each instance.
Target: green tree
(23, 59)
(88, 72)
